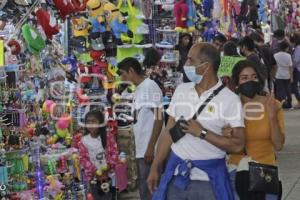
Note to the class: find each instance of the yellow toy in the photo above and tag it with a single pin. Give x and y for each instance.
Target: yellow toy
(96, 7)
(80, 27)
(110, 83)
(116, 22)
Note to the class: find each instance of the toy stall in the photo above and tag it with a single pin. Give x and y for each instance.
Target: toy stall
(58, 61)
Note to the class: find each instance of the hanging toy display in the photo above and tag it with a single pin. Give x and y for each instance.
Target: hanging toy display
(181, 10)
(33, 39)
(48, 22)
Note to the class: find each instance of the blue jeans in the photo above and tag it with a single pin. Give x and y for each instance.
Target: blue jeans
(232, 178)
(295, 88)
(195, 190)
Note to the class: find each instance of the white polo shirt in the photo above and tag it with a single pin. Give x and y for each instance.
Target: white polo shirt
(225, 108)
(148, 95)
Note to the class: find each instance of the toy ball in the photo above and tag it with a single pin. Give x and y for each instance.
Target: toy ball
(63, 123)
(62, 132)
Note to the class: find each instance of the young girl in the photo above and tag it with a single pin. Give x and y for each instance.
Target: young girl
(92, 153)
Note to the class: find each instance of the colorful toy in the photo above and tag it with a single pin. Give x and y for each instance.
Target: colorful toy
(72, 64)
(15, 47)
(80, 27)
(80, 5)
(33, 39)
(181, 13)
(64, 7)
(191, 16)
(96, 8)
(47, 22)
(96, 41)
(116, 22)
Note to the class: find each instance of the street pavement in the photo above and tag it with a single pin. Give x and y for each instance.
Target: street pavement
(288, 158)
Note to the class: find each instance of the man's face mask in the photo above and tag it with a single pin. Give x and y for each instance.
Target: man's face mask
(190, 72)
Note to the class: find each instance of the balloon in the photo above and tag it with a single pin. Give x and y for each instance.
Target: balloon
(63, 123)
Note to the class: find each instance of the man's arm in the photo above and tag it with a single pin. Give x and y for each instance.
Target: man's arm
(233, 144)
(163, 150)
(157, 127)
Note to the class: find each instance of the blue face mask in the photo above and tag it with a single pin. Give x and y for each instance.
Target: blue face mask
(191, 74)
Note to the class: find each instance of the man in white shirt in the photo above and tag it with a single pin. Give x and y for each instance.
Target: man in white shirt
(284, 74)
(196, 166)
(147, 103)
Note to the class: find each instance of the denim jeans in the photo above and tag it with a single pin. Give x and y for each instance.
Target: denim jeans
(196, 190)
(232, 178)
(295, 88)
(143, 173)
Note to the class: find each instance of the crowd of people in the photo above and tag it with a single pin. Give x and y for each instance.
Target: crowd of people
(212, 125)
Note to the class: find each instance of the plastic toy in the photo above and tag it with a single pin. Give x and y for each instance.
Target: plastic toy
(181, 13)
(15, 47)
(47, 22)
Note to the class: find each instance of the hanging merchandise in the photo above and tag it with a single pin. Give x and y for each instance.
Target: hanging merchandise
(64, 7)
(48, 22)
(181, 10)
(33, 39)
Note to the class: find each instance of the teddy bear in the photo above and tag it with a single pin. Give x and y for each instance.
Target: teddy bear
(116, 22)
(181, 13)
(33, 39)
(64, 7)
(47, 22)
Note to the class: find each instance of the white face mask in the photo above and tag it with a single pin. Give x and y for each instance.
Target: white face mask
(191, 74)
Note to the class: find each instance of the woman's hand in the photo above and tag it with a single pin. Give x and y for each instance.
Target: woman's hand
(272, 106)
(193, 127)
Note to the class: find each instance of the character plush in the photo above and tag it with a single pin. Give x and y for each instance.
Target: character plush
(47, 22)
(80, 27)
(96, 7)
(207, 7)
(181, 13)
(33, 39)
(15, 47)
(98, 25)
(116, 22)
(262, 11)
(72, 64)
(64, 7)
(79, 5)
(99, 58)
(96, 41)
(191, 16)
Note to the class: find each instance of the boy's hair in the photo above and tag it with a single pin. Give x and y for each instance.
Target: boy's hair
(133, 63)
(284, 45)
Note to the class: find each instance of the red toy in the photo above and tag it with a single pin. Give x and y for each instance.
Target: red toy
(47, 22)
(65, 7)
(100, 61)
(80, 6)
(181, 11)
(15, 47)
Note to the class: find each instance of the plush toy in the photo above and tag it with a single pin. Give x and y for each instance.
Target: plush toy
(33, 39)
(98, 25)
(96, 41)
(47, 22)
(72, 64)
(181, 13)
(262, 11)
(64, 7)
(79, 44)
(15, 47)
(80, 27)
(80, 5)
(116, 22)
(191, 14)
(96, 7)
(99, 58)
(207, 7)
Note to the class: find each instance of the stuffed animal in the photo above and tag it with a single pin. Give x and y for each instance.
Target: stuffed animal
(72, 64)
(116, 22)
(181, 13)
(80, 27)
(262, 11)
(64, 7)
(99, 58)
(33, 39)
(96, 41)
(191, 14)
(207, 7)
(80, 5)
(96, 7)
(47, 22)
(15, 47)
(98, 25)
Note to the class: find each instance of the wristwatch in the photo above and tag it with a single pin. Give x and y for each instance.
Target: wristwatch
(203, 133)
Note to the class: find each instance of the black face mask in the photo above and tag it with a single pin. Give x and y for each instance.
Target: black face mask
(250, 89)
